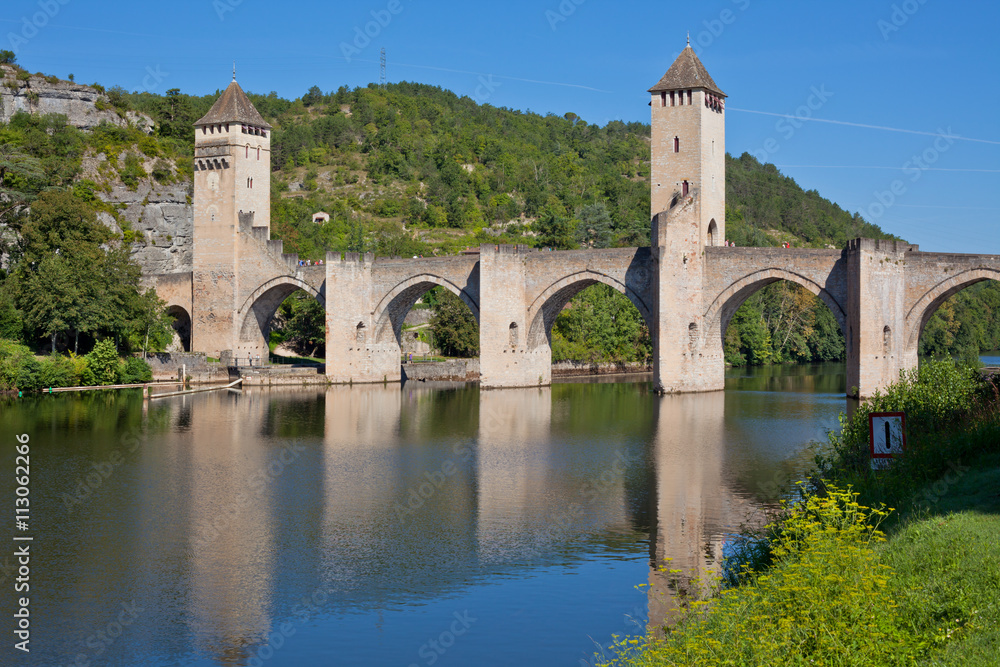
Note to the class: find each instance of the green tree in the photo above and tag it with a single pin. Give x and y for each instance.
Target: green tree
(594, 228)
(305, 325)
(456, 332)
(7, 57)
(555, 228)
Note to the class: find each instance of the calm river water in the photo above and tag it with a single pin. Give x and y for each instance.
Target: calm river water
(378, 525)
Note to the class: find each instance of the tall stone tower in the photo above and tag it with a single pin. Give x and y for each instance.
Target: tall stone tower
(688, 205)
(689, 143)
(232, 189)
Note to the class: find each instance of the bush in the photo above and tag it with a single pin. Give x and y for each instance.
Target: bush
(135, 370)
(58, 371)
(133, 171)
(827, 601)
(102, 364)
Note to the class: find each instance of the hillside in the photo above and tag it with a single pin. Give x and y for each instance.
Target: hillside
(413, 169)
(452, 173)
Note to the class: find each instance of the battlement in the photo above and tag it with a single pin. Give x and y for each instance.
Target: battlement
(881, 245)
(505, 249)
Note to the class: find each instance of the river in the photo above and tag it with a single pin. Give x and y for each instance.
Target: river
(379, 525)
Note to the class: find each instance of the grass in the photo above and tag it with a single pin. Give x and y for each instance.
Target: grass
(825, 586)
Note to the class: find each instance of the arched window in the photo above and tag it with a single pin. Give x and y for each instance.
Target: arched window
(677, 144)
(248, 151)
(692, 336)
(359, 336)
(685, 188)
(513, 334)
(887, 341)
(713, 230)
(258, 152)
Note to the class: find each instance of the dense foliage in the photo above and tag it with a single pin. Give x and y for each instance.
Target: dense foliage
(21, 370)
(821, 585)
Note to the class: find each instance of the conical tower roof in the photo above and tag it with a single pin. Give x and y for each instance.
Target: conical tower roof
(687, 72)
(233, 106)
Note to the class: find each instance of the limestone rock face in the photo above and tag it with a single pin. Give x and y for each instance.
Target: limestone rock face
(163, 217)
(77, 102)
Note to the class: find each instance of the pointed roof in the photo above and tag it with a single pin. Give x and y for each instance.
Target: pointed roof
(233, 106)
(687, 72)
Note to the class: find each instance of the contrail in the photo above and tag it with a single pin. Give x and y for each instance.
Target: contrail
(75, 27)
(870, 127)
(502, 76)
(843, 166)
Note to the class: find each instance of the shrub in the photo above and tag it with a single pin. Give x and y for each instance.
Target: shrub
(102, 364)
(827, 601)
(58, 371)
(135, 370)
(133, 171)
(162, 171)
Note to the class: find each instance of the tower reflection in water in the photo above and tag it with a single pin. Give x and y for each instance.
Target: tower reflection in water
(409, 496)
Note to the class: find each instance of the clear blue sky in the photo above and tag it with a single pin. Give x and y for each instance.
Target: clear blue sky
(925, 66)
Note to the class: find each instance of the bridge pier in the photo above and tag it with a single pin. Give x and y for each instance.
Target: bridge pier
(875, 333)
(508, 355)
(685, 358)
(356, 350)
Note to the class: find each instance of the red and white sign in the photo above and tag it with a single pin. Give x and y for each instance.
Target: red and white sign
(887, 434)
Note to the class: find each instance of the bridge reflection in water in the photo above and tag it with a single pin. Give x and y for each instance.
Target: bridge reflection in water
(354, 513)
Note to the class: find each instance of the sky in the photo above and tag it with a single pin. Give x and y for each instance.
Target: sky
(887, 107)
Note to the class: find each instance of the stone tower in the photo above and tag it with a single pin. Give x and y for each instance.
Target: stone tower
(232, 187)
(689, 143)
(688, 202)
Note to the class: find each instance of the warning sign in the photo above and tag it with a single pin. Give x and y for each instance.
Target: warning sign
(887, 431)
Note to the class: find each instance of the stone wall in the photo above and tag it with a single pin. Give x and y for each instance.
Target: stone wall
(582, 368)
(453, 370)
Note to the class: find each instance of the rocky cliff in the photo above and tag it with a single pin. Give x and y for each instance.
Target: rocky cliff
(45, 95)
(161, 216)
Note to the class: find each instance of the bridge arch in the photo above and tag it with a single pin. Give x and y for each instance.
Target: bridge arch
(546, 307)
(261, 305)
(391, 310)
(722, 309)
(925, 307)
(181, 325)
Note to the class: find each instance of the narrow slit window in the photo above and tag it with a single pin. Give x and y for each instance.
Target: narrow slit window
(677, 144)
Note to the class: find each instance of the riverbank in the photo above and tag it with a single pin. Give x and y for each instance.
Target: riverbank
(835, 582)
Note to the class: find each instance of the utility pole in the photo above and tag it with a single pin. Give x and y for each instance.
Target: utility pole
(381, 77)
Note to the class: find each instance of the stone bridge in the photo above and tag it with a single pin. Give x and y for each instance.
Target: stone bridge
(687, 285)
(881, 294)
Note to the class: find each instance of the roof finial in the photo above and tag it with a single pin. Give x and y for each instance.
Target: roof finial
(689, 41)
(234, 70)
